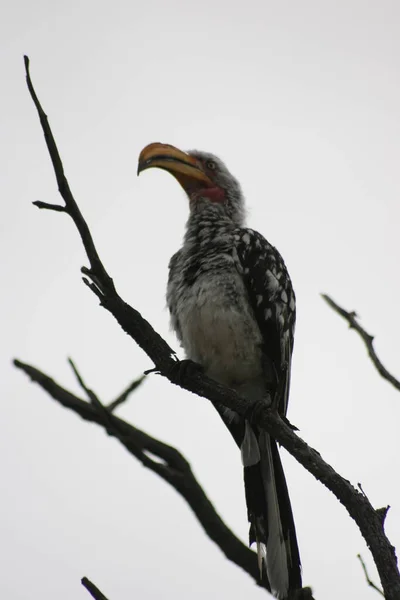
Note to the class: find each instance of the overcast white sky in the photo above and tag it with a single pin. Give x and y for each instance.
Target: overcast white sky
(302, 101)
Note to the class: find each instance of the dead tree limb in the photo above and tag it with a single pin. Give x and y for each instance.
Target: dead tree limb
(92, 589)
(166, 363)
(367, 338)
(170, 465)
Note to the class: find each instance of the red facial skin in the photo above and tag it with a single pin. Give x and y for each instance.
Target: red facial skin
(214, 194)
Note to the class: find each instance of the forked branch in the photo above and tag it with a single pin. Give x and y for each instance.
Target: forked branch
(164, 460)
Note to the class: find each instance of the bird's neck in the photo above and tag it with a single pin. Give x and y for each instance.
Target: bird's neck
(207, 221)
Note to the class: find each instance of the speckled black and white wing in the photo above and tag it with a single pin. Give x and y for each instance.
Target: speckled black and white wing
(173, 279)
(273, 301)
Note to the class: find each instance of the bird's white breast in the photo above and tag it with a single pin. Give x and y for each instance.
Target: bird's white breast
(219, 330)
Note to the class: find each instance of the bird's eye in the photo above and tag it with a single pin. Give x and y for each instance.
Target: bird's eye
(210, 164)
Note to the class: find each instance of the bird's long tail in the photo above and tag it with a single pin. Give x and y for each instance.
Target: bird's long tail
(269, 512)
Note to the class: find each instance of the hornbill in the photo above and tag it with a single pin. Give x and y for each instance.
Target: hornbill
(233, 308)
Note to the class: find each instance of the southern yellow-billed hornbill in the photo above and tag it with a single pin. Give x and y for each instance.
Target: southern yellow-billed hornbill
(232, 306)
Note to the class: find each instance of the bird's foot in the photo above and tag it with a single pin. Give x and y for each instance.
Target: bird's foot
(155, 370)
(254, 412)
(182, 368)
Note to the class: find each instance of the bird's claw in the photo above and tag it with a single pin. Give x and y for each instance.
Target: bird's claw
(181, 368)
(253, 413)
(153, 370)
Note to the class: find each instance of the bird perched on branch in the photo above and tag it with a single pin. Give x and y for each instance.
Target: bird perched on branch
(232, 306)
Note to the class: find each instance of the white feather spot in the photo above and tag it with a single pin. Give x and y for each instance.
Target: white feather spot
(259, 299)
(292, 302)
(284, 297)
(262, 557)
(273, 283)
(246, 238)
(267, 314)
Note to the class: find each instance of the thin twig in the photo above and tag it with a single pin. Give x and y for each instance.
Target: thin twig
(107, 418)
(71, 206)
(48, 206)
(368, 339)
(370, 583)
(125, 394)
(92, 589)
(90, 393)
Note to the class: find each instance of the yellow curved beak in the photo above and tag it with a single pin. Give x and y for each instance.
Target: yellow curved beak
(185, 168)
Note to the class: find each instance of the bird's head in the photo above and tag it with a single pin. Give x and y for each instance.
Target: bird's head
(203, 176)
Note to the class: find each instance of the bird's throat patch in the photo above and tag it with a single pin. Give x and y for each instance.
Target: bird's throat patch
(214, 194)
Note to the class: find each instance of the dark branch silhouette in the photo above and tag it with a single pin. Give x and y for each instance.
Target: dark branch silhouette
(357, 504)
(368, 339)
(92, 589)
(124, 395)
(369, 581)
(170, 465)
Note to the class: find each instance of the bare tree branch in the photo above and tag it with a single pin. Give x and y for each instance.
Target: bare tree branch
(46, 205)
(71, 206)
(103, 286)
(370, 583)
(368, 339)
(124, 395)
(92, 589)
(357, 505)
(90, 393)
(170, 466)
